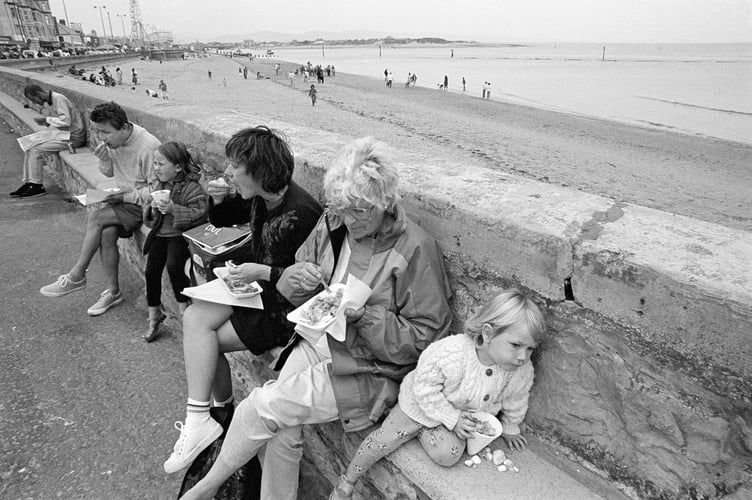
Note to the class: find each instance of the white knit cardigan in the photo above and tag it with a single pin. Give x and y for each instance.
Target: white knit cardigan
(450, 378)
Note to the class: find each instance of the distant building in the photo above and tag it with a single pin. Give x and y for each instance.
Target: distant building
(28, 23)
(69, 37)
(162, 39)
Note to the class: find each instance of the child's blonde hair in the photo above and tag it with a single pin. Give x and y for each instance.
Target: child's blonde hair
(508, 308)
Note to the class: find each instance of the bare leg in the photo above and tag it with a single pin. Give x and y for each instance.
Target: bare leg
(206, 334)
(110, 256)
(95, 224)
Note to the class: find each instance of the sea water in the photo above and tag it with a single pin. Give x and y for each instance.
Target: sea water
(701, 89)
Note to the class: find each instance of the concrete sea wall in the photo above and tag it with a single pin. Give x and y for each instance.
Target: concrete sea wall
(647, 371)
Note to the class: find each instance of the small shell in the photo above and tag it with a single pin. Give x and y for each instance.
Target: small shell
(475, 459)
(515, 469)
(502, 468)
(498, 457)
(469, 463)
(508, 462)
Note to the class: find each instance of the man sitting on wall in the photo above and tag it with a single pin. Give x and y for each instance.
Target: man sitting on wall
(62, 116)
(126, 153)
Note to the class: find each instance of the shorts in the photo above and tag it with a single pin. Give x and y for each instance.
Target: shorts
(130, 216)
(258, 331)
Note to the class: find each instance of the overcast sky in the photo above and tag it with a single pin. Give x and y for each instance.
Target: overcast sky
(482, 20)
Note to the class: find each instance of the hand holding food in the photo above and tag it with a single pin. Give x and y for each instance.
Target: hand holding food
(353, 315)
(218, 189)
(247, 272)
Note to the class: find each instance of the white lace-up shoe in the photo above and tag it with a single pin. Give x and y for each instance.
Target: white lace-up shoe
(62, 286)
(191, 442)
(106, 300)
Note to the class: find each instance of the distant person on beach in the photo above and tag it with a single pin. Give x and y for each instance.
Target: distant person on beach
(463, 83)
(409, 79)
(119, 75)
(386, 75)
(333, 72)
(163, 89)
(312, 94)
(66, 120)
(389, 79)
(414, 79)
(446, 82)
(134, 76)
(224, 82)
(209, 74)
(276, 69)
(487, 369)
(126, 154)
(175, 170)
(291, 76)
(245, 73)
(488, 90)
(483, 95)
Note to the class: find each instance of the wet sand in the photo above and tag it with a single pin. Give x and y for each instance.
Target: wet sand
(695, 176)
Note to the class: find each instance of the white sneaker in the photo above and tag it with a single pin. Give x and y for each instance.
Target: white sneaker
(190, 443)
(62, 286)
(106, 300)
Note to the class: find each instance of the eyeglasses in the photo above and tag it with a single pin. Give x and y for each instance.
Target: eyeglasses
(354, 212)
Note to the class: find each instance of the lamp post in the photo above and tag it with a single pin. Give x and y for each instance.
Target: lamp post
(122, 16)
(112, 33)
(104, 30)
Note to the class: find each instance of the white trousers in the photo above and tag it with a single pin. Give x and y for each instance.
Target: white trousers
(33, 159)
(274, 414)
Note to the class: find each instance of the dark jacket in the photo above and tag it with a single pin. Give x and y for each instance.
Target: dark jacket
(189, 205)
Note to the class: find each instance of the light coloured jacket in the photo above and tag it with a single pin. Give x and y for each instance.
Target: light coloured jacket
(63, 114)
(407, 310)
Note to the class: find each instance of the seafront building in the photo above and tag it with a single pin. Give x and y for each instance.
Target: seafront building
(29, 24)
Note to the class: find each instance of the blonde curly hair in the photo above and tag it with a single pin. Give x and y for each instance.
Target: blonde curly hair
(507, 308)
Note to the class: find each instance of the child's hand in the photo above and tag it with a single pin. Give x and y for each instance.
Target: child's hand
(465, 426)
(515, 441)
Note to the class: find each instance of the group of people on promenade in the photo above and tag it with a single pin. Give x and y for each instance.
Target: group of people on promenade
(397, 366)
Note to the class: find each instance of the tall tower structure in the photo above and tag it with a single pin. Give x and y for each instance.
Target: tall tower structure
(138, 32)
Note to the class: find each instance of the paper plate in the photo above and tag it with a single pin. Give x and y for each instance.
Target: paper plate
(223, 272)
(480, 441)
(296, 316)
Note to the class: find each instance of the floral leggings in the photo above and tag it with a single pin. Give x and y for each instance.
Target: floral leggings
(442, 445)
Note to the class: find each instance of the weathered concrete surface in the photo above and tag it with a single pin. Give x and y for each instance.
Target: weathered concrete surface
(607, 387)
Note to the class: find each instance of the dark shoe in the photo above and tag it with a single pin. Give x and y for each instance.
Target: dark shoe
(153, 332)
(17, 192)
(33, 191)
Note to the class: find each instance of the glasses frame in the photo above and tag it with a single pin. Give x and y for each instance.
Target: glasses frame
(357, 213)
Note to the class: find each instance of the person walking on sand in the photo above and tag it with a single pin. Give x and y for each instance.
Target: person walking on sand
(67, 122)
(126, 154)
(134, 76)
(291, 76)
(119, 74)
(163, 90)
(463, 83)
(389, 79)
(312, 94)
(209, 74)
(483, 95)
(446, 82)
(488, 90)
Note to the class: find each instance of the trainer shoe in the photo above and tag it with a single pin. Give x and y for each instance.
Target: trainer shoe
(190, 443)
(32, 191)
(106, 300)
(17, 192)
(63, 286)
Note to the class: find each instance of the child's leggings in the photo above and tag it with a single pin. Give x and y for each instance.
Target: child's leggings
(442, 445)
(172, 251)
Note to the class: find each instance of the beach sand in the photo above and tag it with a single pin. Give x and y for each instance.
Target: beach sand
(695, 176)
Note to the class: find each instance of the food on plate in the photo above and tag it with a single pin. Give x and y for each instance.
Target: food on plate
(483, 426)
(324, 306)
(239, 287)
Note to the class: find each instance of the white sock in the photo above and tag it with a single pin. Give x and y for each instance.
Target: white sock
(196, 412)
(222, 404)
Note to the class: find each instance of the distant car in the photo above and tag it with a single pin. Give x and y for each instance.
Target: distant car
(30, 54)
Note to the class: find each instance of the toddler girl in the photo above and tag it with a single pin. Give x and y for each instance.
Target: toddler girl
(486, 369)
(174, 169)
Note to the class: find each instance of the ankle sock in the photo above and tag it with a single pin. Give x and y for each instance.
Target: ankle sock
(196, 412)
(222, 404)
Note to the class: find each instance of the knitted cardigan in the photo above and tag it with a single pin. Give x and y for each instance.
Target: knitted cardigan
(450, 378)
(189, 207)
